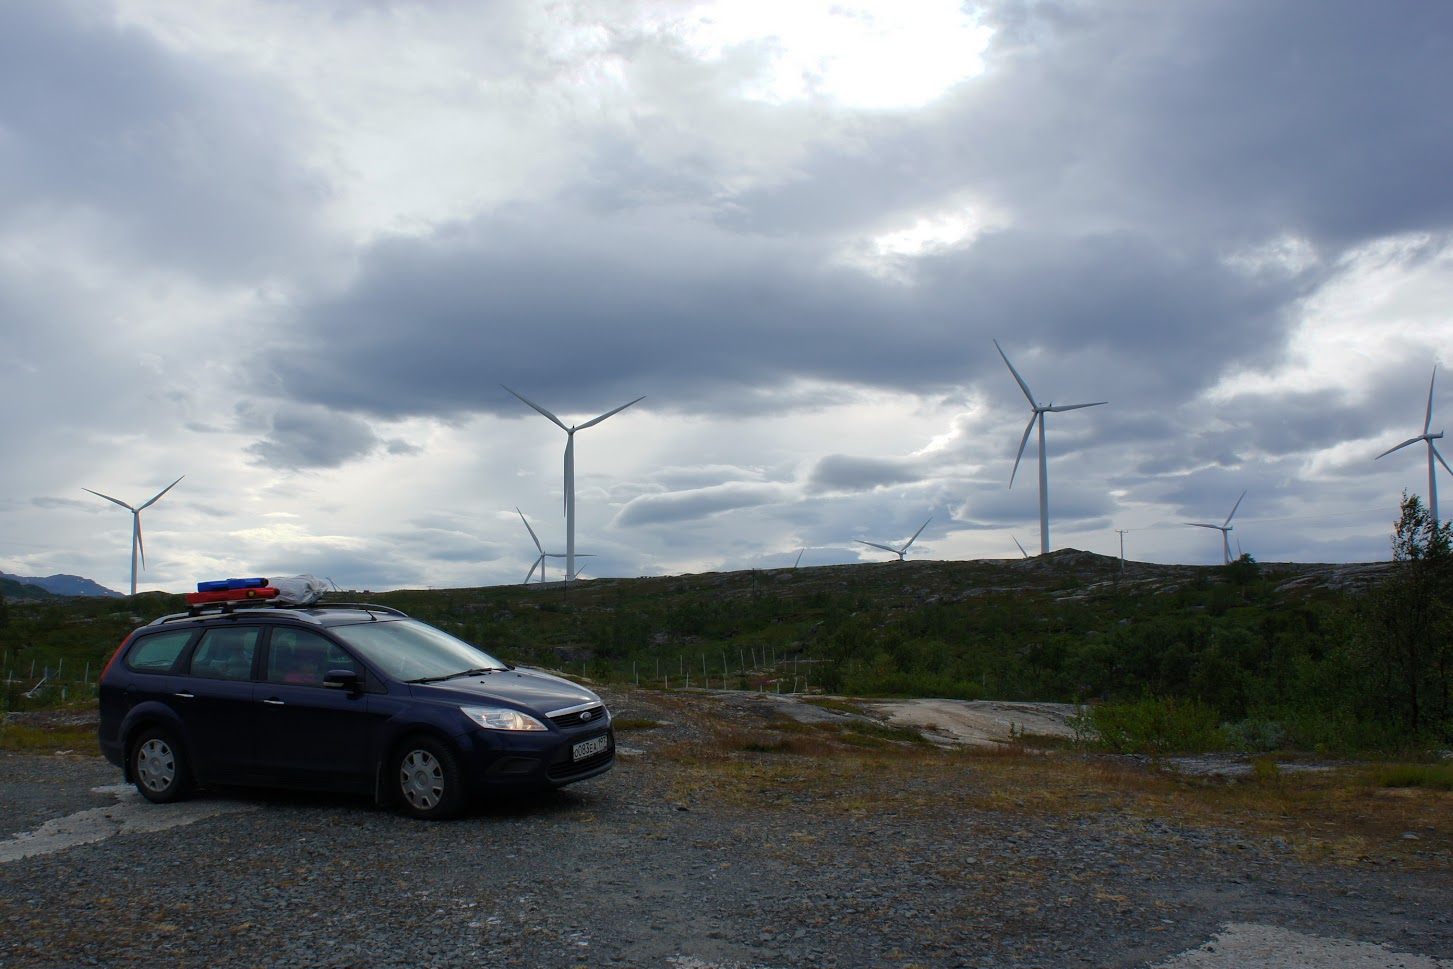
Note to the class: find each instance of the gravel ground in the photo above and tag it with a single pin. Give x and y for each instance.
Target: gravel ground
(630, 869)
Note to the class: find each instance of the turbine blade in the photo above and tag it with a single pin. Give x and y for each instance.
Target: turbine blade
(530, 530)
(1022, 385)
(916, 534)
(1201, 525)
(539, 562)
(160, 493)
(876, 545)
(1411, 440)
(1428, 421)
(540, 409)
(1056, 408)
(1226, 546)
(1021, 547)
(140, 544)
(1440, 458)
(594, 421)
(109, 498)
(1233, 509)
(1023, 441)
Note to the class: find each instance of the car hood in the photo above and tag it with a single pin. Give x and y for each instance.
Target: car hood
(535, 691)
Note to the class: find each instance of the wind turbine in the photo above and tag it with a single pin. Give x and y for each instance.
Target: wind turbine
(1225, 529)
(1432, 451)
(570, 471)
(900, 552)
(1021, 547)
(1037, 417)
(540, 562)
(136, 545)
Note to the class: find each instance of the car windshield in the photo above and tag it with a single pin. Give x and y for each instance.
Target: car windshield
(407, 649)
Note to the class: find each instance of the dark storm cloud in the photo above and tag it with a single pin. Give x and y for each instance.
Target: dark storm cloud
(151, 150)
(845, 473)
(662, 509)
(1310, 116)
(311, 437)
(577, 315)
(578, 318)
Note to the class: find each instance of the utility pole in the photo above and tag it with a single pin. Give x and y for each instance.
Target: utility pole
(1121, 532)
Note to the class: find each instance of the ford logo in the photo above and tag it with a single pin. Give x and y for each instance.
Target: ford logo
(586, 714)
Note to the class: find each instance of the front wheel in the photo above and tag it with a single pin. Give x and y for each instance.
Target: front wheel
(159, 768)
(429, 784)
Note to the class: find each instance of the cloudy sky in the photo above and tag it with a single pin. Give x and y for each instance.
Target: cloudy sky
(295, 250)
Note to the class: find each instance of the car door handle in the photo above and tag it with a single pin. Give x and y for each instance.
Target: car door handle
(187, 696)
(273, 701)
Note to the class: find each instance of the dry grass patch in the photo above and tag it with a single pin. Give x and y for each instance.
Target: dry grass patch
(48, 738)
(745, 757)
(1341, 816)
(627, 724)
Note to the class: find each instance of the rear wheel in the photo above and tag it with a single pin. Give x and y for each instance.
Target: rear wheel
(159, 768)
(427, 779)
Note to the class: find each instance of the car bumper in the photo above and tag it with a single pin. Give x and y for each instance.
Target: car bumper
(497, 760)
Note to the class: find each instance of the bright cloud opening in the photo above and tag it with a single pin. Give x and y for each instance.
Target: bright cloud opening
(883, 55)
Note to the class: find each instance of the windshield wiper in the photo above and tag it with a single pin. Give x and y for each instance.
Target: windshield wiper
(451, 676)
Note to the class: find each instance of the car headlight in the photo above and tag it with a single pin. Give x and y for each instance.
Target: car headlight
(502, 718)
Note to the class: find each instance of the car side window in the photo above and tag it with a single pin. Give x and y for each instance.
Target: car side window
(302, 657)
(225, 653)
(158, 653)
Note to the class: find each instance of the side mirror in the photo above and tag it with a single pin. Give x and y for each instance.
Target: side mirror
(347, 680)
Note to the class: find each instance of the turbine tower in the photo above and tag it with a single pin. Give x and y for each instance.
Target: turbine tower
(540, 562)
(1037, 417)
(570, 571)
(900, 552)
(1432, 451)
(137, 548)
(1225, 529)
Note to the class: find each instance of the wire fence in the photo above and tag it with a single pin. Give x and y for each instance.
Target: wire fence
(753, 671)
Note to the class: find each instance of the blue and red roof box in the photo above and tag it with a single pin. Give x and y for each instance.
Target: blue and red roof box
(231, 595)
(225, 585)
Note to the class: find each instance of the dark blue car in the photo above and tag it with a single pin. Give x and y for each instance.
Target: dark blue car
(340, 697)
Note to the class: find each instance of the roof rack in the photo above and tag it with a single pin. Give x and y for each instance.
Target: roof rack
(248, 605)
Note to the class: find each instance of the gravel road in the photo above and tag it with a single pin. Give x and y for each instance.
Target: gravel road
(631, 870)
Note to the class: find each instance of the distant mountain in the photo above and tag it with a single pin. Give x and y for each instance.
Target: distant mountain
(61, 585)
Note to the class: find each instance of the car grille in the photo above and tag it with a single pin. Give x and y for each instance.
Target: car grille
(576, 718)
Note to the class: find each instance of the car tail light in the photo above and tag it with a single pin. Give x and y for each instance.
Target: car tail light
(113, 659)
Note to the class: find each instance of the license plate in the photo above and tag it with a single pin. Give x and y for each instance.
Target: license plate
(589, 748)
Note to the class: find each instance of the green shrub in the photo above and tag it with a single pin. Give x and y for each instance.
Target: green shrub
(1157, 726)
(1436, 777)
(1254, 736)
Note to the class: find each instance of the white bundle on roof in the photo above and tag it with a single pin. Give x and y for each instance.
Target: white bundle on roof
(299, 590)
